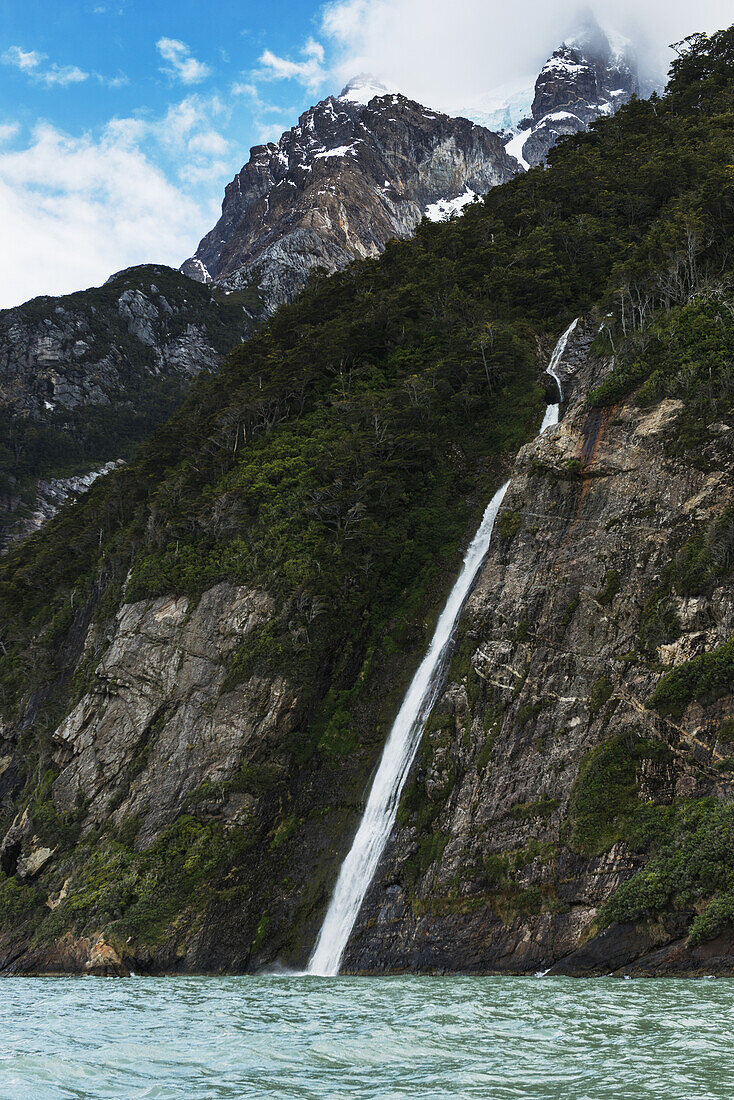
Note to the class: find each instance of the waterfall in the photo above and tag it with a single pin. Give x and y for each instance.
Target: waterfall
(551, 413)
(358, 869)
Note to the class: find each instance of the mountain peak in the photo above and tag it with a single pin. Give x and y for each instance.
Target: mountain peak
(363, 88)
(592, 74)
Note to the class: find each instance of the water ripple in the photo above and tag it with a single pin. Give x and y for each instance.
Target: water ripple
(304, 1038)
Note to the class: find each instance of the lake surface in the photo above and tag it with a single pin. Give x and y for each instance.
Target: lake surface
(292, 1037)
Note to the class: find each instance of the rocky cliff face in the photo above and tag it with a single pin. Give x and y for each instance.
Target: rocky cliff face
(24, 517)
(200, 662)
(496, 862)
(493, 865)
(357, 170)
(84, 376)
(590, 76)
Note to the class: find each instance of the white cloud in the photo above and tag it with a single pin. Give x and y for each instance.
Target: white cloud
(76, 209)
(8, 130)
(265, 128)
(28, 61)
(119, 81)
(244, 88)
(266, 132)
(181, 65)
(447, 55)
(251, 91)
(310, 72)
(187, 132)
(31, 63)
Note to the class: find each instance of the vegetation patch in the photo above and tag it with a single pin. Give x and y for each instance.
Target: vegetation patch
(604, 806)
(610, 588)
(703, 679)
(263, 650)
(530, 711)
(692, 870)
(601, 692)
(509, 524)
(527, 811)
(138, 893)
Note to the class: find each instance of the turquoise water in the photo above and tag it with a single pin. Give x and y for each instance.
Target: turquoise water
(292, 1037)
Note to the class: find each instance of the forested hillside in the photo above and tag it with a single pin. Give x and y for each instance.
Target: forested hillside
(199, 661)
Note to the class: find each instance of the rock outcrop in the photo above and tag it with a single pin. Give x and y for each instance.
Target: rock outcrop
(156, 718)
(85, 376)
(357, 170)
(51, 494)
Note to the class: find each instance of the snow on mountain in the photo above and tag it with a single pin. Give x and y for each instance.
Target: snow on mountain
(365, 166)
(362, 89)
(442, 210)
(591, 75)
(357, 170)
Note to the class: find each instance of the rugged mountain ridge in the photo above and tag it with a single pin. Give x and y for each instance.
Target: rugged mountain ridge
(364, 167)
(590, 76)
(86, 376)
(359, 169)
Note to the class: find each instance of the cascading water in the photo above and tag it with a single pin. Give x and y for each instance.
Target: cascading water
(358, 869)
(551, 413)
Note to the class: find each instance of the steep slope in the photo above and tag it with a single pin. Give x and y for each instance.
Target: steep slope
(551, 770)
(590, 76)
(200, 660)
(358, 170)
(85, 377)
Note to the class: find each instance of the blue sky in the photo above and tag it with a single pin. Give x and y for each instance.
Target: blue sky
(114, 42)
(122, 120)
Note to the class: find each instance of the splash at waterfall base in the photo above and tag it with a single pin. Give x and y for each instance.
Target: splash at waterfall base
(374, 830)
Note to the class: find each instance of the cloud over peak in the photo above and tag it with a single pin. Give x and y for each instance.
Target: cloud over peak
(448, 55)
(310, 72)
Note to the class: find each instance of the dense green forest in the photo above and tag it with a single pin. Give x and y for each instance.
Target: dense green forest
(342, 455)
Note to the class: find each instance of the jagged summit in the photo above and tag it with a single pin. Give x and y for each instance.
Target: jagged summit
(592, 74)
(365, 166)
(357, 170)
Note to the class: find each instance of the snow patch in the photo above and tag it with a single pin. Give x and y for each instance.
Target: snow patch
(442, 210)
(340, 151)
(362, 89)
(198, 270)
(558, 116)
(515, 146)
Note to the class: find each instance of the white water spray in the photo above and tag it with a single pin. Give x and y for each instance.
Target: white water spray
(358, 869)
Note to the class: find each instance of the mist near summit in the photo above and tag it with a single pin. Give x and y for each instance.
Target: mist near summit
(449, 54)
